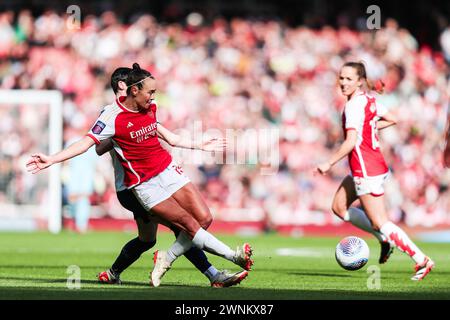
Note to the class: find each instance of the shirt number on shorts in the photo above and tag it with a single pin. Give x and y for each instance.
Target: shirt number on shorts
(179, 170)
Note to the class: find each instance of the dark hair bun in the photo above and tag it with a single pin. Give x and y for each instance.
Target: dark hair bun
(136, 66)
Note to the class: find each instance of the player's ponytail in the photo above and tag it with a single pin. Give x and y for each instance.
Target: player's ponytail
(377, 86)
(136, 77)
(136, 66)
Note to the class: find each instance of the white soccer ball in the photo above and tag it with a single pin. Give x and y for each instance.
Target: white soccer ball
(352, 253)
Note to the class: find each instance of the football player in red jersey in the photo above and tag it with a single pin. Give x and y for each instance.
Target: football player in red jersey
(363, 116)
(150, 172)
(147, 227)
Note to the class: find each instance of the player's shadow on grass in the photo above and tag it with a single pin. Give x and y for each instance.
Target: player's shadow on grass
(35, 279)
(91, 282)
(49, 267)
(64, 267)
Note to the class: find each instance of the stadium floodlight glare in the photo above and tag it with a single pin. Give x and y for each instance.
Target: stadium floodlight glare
(53, 99)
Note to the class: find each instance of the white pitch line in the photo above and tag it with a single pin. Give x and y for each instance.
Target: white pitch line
(304, 252)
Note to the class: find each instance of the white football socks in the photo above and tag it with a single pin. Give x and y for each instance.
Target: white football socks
(179, 247)
(401, 240)
(182, 245)
(206, 241)
(202, 240)
(359, 219)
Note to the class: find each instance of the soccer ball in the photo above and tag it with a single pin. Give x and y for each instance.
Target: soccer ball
(352, 253)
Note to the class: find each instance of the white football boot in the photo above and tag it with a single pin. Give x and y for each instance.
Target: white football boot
(243, 255)
(423, 269)
(160, 267)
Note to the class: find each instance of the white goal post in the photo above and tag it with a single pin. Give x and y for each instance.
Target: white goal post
(54, 100)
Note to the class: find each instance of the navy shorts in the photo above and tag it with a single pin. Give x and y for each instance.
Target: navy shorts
(129, 201)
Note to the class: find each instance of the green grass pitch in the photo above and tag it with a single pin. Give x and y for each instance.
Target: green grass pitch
(35, 265)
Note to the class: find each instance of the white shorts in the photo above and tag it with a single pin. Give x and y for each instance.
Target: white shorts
(161, 187)
(373, 185)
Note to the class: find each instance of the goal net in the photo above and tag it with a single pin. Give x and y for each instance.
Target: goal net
(31, 121)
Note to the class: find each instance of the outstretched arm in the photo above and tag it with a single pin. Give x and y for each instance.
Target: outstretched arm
(176, 140)
(39, 161)
(344, 150)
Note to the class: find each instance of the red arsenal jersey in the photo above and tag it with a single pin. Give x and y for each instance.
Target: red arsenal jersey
(135, 141)
(361, 113)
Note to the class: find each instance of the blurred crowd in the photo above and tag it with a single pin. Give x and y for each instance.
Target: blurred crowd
(241, 75)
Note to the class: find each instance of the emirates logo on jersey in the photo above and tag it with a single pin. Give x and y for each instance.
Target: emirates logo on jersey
(144, 133)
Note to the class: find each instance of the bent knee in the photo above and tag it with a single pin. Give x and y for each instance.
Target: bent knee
(148, 241)
(188, 223)
(339, 210)
(206, 220)
(149, 245)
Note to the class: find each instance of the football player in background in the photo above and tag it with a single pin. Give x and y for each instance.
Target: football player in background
(361, 120)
